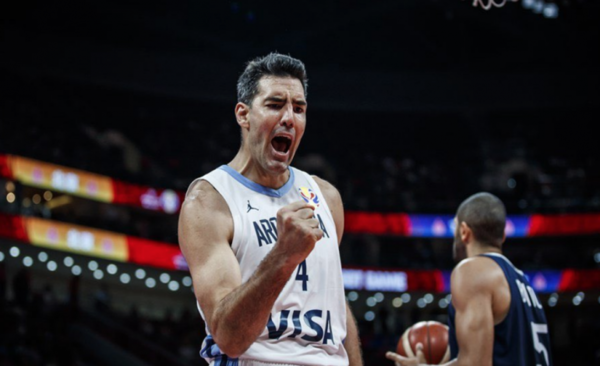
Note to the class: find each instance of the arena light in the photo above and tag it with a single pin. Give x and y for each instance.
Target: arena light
(140, 273)
(43, 257)
(369, 316)
(112, 269)
(371, 302)
(550, 11)
(150, 282)
(68, 261)
(173, 285)
(52, 266)
(553, 300)
(92, 265)
(352, 295)
(47, 195)
(165, 278)
(28, 261)
(14, 252)
(397, 302)
(421, 303)
(10, 186)
(1, 256)
(98, 274)
(76, 270)
(10, 197)
(125, 278)
(379, 297)
(597, 257)
(187, 281)
(36, 199)
(578, 299)
(428, 298)
(443, 303)
(405, 298)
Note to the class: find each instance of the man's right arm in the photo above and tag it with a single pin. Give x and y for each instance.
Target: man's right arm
(237, 314)
(472, 284)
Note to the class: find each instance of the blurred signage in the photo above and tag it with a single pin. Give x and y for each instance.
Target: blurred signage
(76, 239)
(50, 176)
(167, 201)
(442, 226)
(372, 280)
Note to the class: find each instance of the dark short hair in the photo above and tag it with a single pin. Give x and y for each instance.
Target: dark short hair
(273, 64)
(486, 216)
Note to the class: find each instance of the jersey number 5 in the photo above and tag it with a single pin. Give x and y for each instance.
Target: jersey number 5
(539, 346)
(302, 275)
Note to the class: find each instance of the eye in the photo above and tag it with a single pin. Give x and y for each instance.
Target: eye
(299, 110)
(274, 106)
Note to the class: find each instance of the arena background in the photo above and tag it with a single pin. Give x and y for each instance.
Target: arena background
(108, 110)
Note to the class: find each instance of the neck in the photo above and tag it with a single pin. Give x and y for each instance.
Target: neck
(476, 249)
(251, 169)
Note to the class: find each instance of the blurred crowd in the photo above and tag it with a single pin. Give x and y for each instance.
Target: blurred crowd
(383, 165)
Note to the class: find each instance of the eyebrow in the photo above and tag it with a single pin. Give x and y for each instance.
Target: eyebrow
(281, 100)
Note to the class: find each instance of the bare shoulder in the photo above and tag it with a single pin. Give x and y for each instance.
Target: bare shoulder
(203, 196)
(204, 207)
(332, 195)
(476, 275)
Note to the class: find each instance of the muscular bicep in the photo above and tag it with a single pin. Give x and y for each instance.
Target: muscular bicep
(205, 231)
(474, 321)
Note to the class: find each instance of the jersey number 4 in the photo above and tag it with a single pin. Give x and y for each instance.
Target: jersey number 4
(537, 344)
(302, 275)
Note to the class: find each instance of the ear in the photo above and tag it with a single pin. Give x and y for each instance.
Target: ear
(241, 114)
(466, 233)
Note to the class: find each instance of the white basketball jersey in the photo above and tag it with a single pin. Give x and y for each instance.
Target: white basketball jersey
(307, 325)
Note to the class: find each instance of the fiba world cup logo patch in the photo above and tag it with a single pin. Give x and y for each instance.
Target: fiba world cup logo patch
(309, 196)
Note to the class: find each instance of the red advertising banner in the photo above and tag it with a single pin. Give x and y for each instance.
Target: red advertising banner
(157, 254)
(5, 170)
(165, 200)
(567, 224)
(397, 224)
(12, 227)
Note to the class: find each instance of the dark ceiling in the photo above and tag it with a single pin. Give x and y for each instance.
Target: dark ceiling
(411, 55)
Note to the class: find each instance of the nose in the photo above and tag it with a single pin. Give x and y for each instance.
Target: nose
(287, 119)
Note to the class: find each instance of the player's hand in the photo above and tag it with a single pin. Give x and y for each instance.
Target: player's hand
(408, 361)
(297, 230)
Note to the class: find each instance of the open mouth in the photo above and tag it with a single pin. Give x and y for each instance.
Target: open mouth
(281, 144)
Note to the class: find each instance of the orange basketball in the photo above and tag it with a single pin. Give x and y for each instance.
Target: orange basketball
(434, 337)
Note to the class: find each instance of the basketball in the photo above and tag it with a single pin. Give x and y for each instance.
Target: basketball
(434, 337)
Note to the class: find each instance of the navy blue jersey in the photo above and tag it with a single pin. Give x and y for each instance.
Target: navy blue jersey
(521, 339)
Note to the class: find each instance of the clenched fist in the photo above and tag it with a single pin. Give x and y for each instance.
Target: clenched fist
(297, 231)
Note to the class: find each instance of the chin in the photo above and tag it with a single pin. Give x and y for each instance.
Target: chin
(277, 167)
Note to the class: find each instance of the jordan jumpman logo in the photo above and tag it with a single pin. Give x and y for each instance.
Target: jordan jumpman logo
(250, 207)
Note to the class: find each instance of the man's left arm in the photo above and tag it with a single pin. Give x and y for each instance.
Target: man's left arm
(352, 342)
(334, 201)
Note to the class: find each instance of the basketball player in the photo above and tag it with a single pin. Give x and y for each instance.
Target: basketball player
(495, 317)
(261, 238)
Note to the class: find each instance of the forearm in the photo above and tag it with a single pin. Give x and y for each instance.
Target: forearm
(352, 342)
(241, 316)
